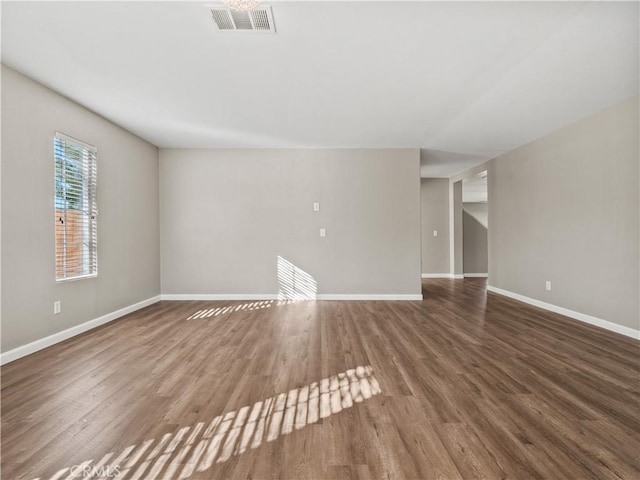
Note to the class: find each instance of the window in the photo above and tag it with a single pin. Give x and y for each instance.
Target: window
(76, 209)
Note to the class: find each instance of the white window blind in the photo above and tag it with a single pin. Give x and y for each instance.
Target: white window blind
(76, 212)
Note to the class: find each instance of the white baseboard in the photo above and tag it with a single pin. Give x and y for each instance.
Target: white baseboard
(442, 275)
(19, 352)
(476, 275)
(259, 296)
(369, 297)
(218, 296)
(457, 276)
(583, 317)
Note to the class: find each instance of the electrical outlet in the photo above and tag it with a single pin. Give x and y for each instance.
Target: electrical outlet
(435, 233)
(57, 307)
(316, 206)
(323, 232)
(547, 285)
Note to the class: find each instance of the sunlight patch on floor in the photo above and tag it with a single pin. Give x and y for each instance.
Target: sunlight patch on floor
(198, 447)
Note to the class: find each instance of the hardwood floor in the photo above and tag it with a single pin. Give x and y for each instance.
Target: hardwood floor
(464, 384)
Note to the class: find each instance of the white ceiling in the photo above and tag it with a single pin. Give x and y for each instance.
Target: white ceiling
(463, 81)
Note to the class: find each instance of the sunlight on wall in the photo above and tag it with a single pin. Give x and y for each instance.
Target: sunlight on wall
(294, 283)
(196, 448)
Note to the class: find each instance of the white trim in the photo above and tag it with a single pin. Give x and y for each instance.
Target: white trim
(476, 275)
(19, 352)
(76, 278)
(359, 296)
(446, 275)
(219, 296)
(264, 296)
(583, 317)
(68, 138)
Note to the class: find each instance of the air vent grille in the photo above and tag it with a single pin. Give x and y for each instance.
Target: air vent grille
(261, 20)
(241, 20)
(258, 20)
(223, 19)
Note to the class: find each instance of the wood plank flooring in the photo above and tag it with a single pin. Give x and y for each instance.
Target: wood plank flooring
(464, 384)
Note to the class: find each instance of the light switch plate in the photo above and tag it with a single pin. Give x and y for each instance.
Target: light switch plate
(323, 232)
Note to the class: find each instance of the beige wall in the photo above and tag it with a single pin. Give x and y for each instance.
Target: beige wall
(565, 208)
(227, 215)
(457, 246)
(475, 249)
(434, 211)
(479, 210)
(128, 225)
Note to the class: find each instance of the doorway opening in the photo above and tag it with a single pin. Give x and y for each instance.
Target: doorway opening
(475, 226)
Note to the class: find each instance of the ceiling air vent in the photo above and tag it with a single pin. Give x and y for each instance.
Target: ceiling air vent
(258, 20)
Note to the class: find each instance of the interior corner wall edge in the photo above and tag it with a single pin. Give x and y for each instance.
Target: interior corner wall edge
(228, 215)
(564, 208)
(128, 225)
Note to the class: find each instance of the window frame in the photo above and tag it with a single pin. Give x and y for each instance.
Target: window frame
(88, 195)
